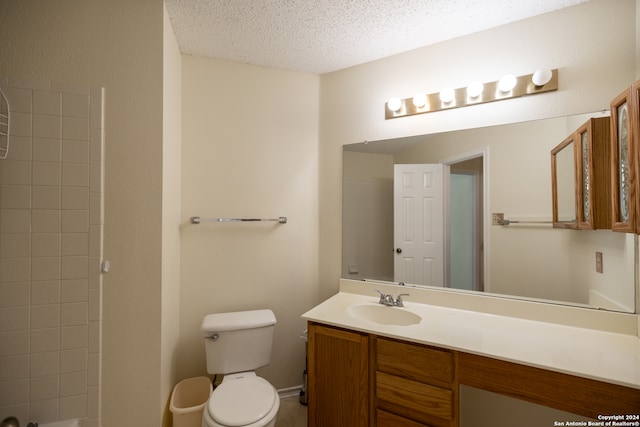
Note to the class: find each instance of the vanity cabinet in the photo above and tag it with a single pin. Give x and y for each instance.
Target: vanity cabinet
(414, 385)
(338, 377)
(581, 178)
(365, 380)
(360, 379)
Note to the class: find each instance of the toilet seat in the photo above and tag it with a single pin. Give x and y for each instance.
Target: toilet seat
(241, 401)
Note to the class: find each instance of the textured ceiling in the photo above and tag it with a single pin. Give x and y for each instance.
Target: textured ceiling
(321, 36)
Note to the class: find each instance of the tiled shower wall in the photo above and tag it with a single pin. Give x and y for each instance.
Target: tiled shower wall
(51, 223)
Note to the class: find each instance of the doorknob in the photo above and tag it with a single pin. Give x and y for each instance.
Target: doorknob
(399, 250)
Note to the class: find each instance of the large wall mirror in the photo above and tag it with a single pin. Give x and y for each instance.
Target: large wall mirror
(389, 231)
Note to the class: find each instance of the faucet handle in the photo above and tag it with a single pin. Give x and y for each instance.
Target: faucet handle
(382, 296)
(399, 302)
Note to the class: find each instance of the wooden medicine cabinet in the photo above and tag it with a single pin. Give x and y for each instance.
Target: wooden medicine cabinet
(581, 178)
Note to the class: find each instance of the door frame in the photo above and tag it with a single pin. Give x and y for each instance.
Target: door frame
(479, 152)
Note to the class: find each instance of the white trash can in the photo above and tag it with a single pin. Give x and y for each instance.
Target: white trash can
(188, 400)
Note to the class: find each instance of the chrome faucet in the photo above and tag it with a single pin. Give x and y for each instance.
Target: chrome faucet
(388, 300)
(399, 302)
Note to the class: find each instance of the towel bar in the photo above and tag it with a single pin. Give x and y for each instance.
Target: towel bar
(198, 220)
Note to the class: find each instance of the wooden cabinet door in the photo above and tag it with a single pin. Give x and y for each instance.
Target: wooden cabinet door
(594, 174)
(338, 375)
(635, 133)
(623, 164)
(563, 184)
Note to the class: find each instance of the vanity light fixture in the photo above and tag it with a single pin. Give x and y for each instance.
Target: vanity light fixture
(420, 100)
(474, 90)
(509, 86)
(541, 77)
(507, 83)
(394, 104)
(447, 95)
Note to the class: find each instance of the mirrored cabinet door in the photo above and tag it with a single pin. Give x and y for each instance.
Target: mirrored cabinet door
(593, 166)
(563, 184)
(623, 165)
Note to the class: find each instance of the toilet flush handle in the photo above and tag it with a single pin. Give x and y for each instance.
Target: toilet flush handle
(213, 337)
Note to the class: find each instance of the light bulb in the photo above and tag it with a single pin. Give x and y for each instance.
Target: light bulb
(394, 104)
(507, 83)
(541, 77)
(420, 99)
(475, 89)
(447, 94)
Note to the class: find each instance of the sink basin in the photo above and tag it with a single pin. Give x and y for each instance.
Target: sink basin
(384, 315)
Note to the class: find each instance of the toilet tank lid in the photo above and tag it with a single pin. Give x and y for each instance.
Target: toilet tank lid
(232, 321)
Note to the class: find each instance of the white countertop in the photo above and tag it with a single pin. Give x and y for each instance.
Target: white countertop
(597, 354)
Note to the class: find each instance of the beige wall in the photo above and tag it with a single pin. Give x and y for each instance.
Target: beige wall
(118, 45)
(250, 143)
(171, 168)
(367, 205)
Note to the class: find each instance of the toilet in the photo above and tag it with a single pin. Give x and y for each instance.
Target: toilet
(236, 344)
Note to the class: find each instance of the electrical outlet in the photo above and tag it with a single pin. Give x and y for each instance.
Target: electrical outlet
(497, 218)
(599, 262)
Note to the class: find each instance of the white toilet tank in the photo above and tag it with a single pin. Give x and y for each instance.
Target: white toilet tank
(238, 341)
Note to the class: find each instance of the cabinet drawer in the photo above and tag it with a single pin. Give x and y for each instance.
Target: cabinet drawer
(415, 397)
(387, 419)
(414, 361)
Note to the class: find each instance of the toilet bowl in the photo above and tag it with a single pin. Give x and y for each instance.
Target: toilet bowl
(242, 399)
(236, 344)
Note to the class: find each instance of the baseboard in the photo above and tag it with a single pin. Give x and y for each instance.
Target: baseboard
(289, 392)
